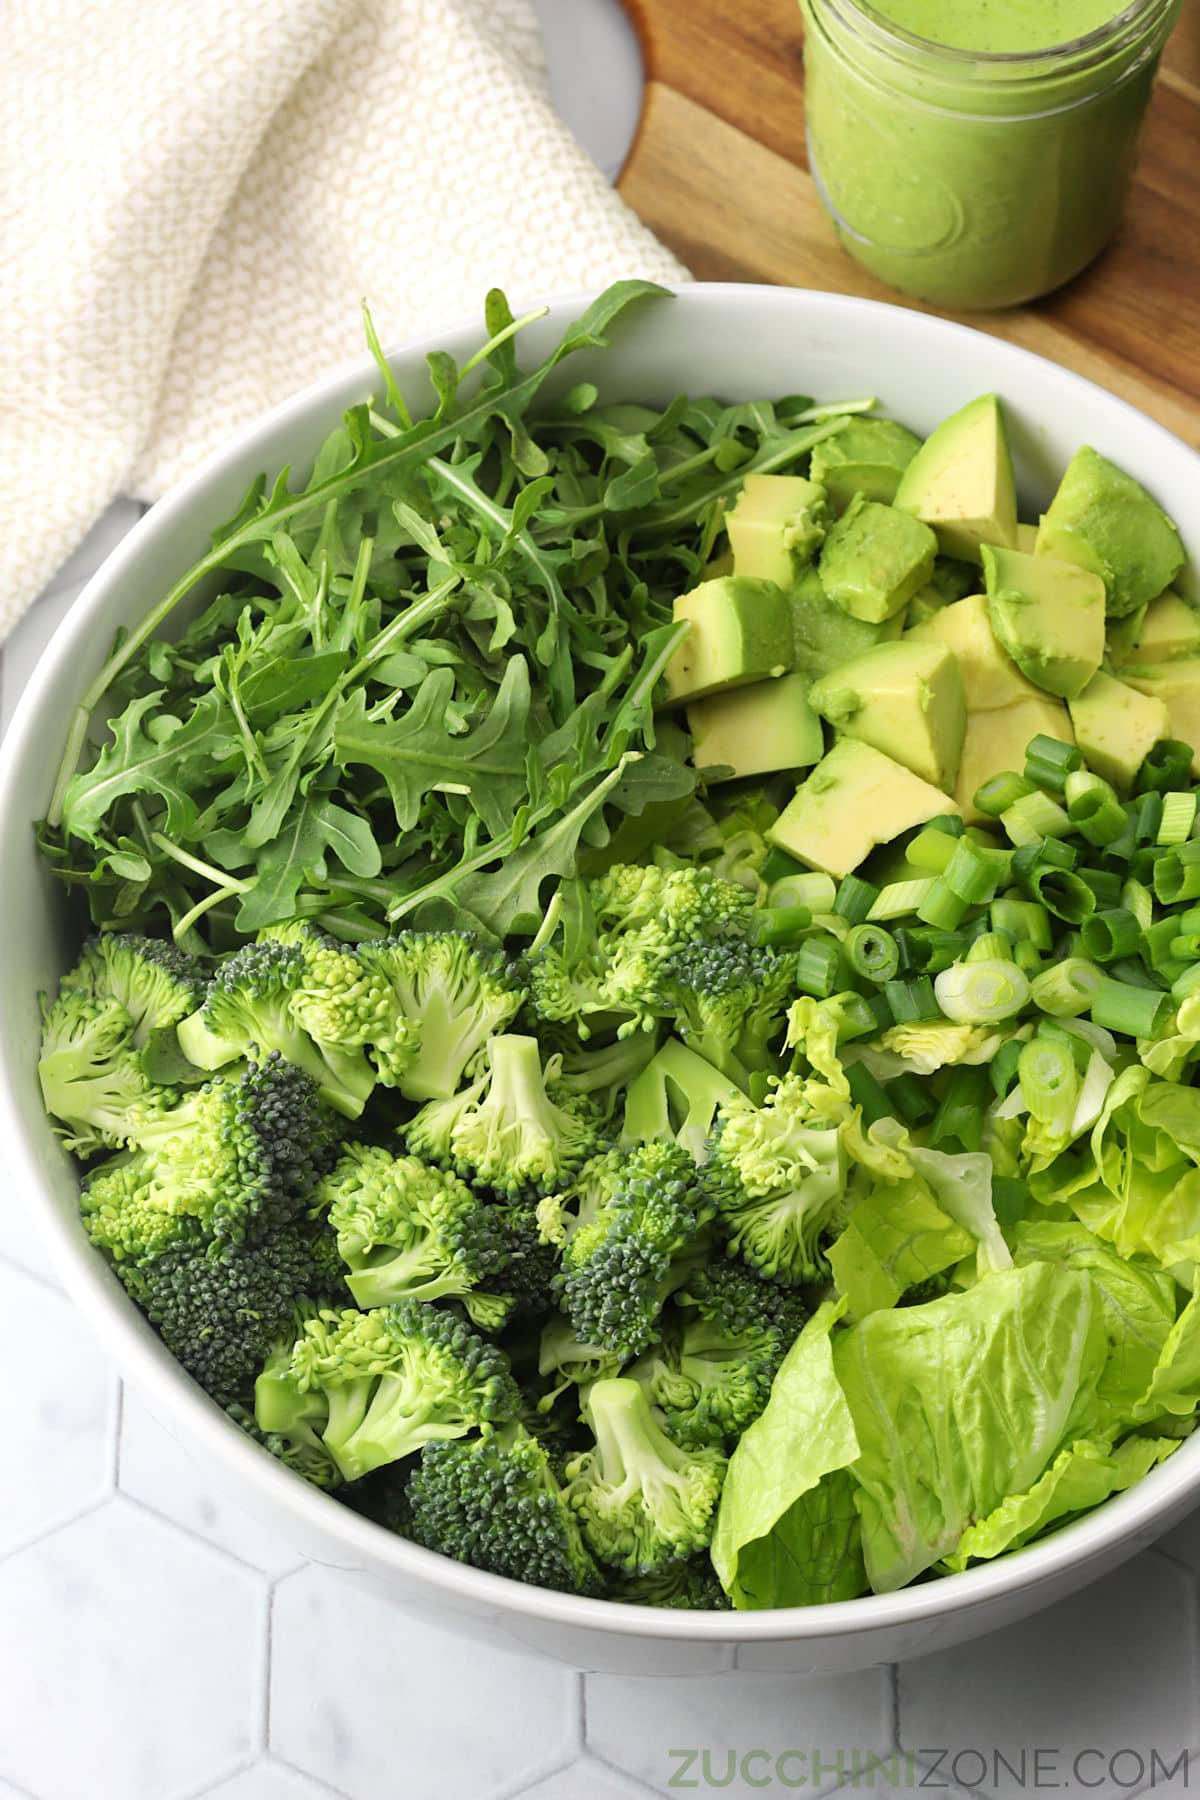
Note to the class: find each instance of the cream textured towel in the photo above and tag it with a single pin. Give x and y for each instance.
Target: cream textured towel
(195, 195)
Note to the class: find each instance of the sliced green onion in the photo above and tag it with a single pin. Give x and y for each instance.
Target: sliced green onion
(931, 850)
(1062, 893)
(1049, 1082)
(872, 952)
(1037, 816)
(900, 898)
(1158, 938)
(989, 946)
(1177, 873)
(959, 1119)
(1186, 982)
(1000, 792)
(1178, 817)
(1137, 899)
(951, 824)
(1048, 762)
(982, 993)
(1147, 817)
(1002, 1070)
(1104, 883)
(1022, 919)
(942, 907)
(925, 950)
(1174, 969)
(910, 1097)
(818, 962)
(1184, 948)
(1132, 970)
(778, 865)
(1123, 847)
(814, 890)
(1093, 807)
(1107, 935)
(867, 1094)
(974, 874)
(1167, 765)
(1067, 989)
(855, 898)
(1027, 957)
(1137, 1012)
(912, 1001)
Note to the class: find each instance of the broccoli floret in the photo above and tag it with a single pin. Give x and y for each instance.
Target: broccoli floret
(254, 1003)
(603, 1074)
(495, 1503)
(244, 1154)
(675, 1101)
(340, 1001)
(690, 1586)
(375, 1386)
(564, 1358)
(407, 1231)
(643, 1501)
(729, 1001)
(155, 982)
(93, 1079)
(711, 1373)
(312, 1463)
(125, 1216)
(777, 1176)
(619, 1266)
(641, 915)
(219, 1307)
(505, 1130)
(453, 994)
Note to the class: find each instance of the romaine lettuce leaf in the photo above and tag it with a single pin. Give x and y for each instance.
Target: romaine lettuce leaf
(960, 1402)
(804, 1434)
(897, 1236)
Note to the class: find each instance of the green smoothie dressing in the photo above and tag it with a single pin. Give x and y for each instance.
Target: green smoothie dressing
(976, 180)
(994, 26)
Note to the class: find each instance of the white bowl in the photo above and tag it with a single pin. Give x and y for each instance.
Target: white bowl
(737, 342)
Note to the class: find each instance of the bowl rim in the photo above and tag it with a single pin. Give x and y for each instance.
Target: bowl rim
(1088, 1543)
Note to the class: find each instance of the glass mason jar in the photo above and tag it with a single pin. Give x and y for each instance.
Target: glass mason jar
(973, 179)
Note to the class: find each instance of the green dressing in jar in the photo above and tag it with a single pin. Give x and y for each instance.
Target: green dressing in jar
(977, 153)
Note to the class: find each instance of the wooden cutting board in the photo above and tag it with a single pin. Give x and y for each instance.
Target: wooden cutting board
(718, 171)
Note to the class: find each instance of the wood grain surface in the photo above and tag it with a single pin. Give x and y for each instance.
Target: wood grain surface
(718, 170)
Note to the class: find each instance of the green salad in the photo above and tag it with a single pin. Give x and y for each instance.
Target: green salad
(640, 999)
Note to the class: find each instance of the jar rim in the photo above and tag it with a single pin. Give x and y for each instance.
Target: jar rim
(1093, 47)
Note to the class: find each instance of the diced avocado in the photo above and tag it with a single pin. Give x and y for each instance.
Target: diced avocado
(1105, 521)
(1048, 615)
(990, 678)
(1115, 727)
(997, 739)
(1121, 636)
(906, 699)
(1027, 536)
(823, 636)
(721, 564)
(1177, 685)
(1170, 629)
(875, 559)
(855, 798)
(961, 481)
(868, 457)
(756, 730)
(776, 527)
(741, 631)
(950, 581)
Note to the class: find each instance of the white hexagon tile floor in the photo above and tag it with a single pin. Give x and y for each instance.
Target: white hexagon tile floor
(158, 1644)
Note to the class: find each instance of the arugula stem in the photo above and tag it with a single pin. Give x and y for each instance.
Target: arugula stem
(220, 876)
(181, 927)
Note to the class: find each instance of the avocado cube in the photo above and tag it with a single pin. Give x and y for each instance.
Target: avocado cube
(756, 730)
(1048, 615)
(721, 564)
(1170, 628)
(776, 527)
(1027, 536)
(960, 482)
(823, 636)
(867, 457)
(990, 678)
(855, 798)
(949, 582)
(1105, 521)
(906, 699)
(996, 740)
(1177, 685)
(875, 559)
(1115, 727)
(741, 631)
